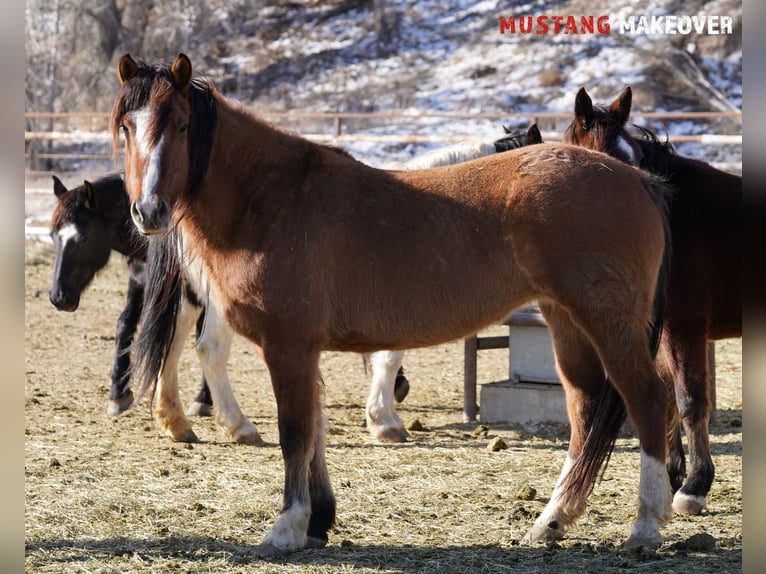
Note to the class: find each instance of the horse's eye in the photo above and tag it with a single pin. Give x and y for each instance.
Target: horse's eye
(184, 128)
(125, 130)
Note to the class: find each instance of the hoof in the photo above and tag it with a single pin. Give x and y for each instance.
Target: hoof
(250, 439)
(186, 436)
(542, 533)
(267, 550)
(391, 434)
(198, 409)
(688, 503)
(118, 406)
(313, 542)
(401, 388)
(636, 542)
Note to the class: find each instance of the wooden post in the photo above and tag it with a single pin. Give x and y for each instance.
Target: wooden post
(711, 379)
(469, 379)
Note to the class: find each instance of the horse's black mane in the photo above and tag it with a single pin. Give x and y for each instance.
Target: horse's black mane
(655, 152)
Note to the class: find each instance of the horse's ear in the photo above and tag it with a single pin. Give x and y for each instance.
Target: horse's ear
(620, 107)
(181, 70)
(583, 109)
(89, 195)
(533, 135)
(126, 68)
(58, 188)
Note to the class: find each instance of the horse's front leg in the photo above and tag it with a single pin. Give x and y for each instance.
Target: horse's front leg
(308, 508)
(167, 408)
(213, 347)
(202, 405)
(120, 395)
(383, 422)
(685, 349)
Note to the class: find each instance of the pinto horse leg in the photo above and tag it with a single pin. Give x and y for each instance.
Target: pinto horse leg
(383, 422)
(582, 377)
(686, 351)
(120, 395)
(213, 346)
(167, 409)
(308, 508)
(202, 405)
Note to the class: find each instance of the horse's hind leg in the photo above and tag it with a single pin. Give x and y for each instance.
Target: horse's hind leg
(625, 351)
(676, 464)
(582, 377)
(167, 408)
(383, 422)
(202, 405)
(686, 353)
(120, 395)
(308, 508)
(213, 346)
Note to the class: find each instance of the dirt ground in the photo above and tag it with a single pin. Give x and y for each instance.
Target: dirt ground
(114, 495)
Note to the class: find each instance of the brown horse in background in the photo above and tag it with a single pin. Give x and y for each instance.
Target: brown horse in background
(298, 242)
(704, 301)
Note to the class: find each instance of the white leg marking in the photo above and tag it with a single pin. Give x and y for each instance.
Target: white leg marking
(382, 420)
(688, 503)
(556, 516)
(213, 349)
(289, 530)
(654, 504)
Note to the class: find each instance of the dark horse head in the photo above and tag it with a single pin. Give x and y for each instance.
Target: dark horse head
(83, 229)
(514, 139)
(602, 128)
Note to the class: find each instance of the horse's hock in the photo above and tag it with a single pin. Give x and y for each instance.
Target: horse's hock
(532, 394)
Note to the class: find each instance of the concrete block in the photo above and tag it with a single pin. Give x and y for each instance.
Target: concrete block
(531, 357)
(523, 403)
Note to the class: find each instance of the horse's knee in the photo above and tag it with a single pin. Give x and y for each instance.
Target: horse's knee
(211, 348)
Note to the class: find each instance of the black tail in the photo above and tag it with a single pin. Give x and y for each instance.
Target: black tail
(611, 412)
(162, 303)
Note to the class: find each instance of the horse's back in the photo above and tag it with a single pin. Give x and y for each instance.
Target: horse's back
(480, 238)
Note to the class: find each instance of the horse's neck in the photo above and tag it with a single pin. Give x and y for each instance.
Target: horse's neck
(252, 150)
(253, 170)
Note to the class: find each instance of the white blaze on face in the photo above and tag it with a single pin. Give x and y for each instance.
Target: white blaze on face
(628, 150)
(150, 156)
(68, 234)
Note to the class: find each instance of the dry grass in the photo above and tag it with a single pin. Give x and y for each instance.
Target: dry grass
(112, 495)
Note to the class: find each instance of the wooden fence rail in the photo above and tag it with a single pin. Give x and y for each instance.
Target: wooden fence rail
(91, 127)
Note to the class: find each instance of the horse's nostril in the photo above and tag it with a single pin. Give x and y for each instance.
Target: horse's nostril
(135, 212)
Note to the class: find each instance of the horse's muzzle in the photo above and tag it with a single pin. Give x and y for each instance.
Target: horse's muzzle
(150, 217)
(64, 300)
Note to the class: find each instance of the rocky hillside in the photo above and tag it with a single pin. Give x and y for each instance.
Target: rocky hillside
(383, 55)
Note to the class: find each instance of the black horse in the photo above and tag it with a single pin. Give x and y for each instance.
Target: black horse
(89, 222)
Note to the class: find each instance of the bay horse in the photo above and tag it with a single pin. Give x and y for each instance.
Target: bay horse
(89, 222)
(388, 382)
(298, 242)
(704, 301)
